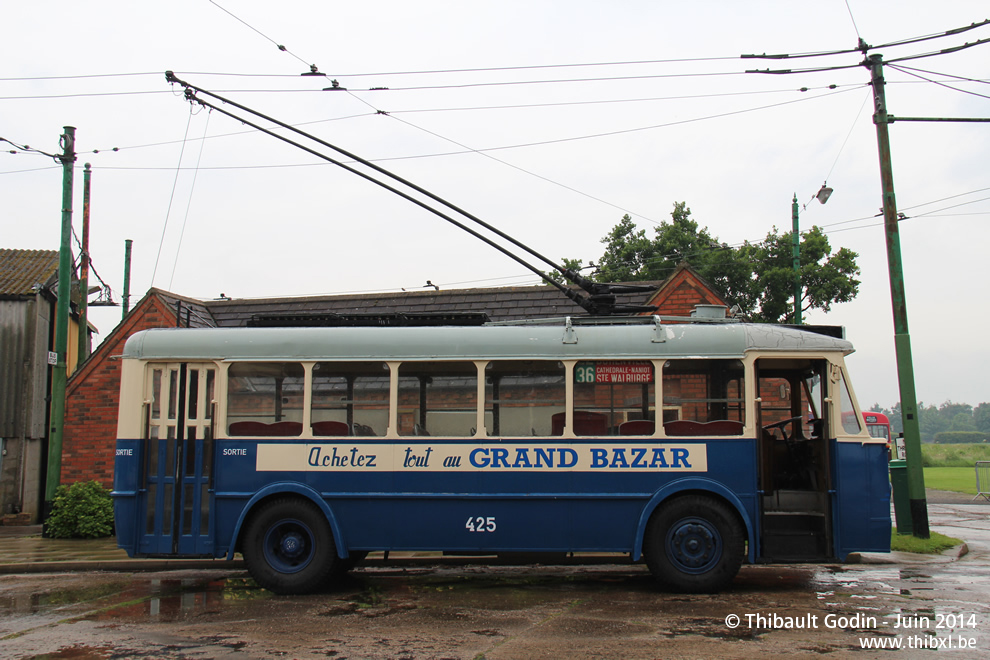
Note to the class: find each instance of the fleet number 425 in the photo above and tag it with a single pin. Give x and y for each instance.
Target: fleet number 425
(480, 524)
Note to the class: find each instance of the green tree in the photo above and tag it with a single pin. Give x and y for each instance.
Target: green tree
(930, 422)
(896, 421)
(758, 277)
(962, 422)
(826, 277)
(981, 417)
(950, 410)
(573, 264)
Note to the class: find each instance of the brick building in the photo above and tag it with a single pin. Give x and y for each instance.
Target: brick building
(93, 391)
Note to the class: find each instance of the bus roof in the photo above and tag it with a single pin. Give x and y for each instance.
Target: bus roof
(641, 340)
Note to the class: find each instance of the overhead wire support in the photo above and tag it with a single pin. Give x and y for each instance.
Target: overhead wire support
(601, 297)
(862, 47)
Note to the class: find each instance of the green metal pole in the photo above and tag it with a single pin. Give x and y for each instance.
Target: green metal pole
(127, 278)
(84, 272)
(68, 158)
(902, 338)
(796, 238)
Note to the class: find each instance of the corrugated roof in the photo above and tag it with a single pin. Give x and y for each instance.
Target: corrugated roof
(22, 270)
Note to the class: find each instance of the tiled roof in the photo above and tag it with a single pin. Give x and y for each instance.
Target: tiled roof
(500, 304)
(21, 271)
(191, 312)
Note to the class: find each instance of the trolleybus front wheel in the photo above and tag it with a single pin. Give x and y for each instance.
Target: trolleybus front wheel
(694, 544)
(288, 546)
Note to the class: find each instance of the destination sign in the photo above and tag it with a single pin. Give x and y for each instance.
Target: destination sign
(613, 371)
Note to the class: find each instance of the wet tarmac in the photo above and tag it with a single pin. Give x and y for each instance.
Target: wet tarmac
(431, 609)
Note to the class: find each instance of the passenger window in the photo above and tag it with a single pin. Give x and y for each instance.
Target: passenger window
(614, 397)
(438, 398)
(524, 398)
(791, 398)
(703, 397)
(350, 398)
(265, 399)
(850, 420)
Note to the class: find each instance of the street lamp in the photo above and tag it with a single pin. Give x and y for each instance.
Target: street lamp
(822, 196)
(824, 193)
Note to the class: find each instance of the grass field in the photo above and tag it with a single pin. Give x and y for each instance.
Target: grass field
(954, 455)
(958, 479)
(951, 467)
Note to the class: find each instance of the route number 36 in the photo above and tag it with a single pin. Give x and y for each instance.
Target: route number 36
(480, 524)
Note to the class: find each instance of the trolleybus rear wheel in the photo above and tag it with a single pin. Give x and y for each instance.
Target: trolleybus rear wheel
(288, 546)
(694, 544)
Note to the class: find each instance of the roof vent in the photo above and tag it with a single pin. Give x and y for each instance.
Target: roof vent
(708, 312)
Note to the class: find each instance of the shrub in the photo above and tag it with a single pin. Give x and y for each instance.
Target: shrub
(82, 510)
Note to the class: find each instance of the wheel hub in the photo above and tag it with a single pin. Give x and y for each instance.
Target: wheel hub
(289, 546)
(292, 545)
(694, 545)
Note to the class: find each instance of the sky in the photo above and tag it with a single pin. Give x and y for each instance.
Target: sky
(548, 120)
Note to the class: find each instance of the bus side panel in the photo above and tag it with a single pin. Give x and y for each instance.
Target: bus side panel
(489, 509)
(861, 515)
(127, 502)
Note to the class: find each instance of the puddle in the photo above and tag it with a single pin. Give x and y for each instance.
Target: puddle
(172, 600)
(503, 593)
(105, 597)
(80, 652)
(44, 601)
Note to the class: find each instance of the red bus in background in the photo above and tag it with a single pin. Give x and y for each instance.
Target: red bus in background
(878, 426)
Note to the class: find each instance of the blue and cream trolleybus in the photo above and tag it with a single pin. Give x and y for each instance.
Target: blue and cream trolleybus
(694, 446)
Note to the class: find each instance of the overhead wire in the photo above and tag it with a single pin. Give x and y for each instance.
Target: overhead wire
(819, 69)
(192, 189)
(375, 111)
(24, 148)
(862, 46)
(506, 163)
(935, 82)
(191, 91)
(171, 198)
(248, 25)
(853, 19)
(831, 92)
(982, 81)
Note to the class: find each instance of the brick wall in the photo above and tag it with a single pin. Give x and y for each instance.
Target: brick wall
(92, 395)
(682, 292)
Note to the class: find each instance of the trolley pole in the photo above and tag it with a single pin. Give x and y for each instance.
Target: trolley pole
(59, 373)
(796, 239)
(902, 338)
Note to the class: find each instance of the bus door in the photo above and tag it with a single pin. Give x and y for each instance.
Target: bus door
(794, 454)
(178, 459)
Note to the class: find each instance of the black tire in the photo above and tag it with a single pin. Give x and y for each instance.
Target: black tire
(694, 544)
(288, 546)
